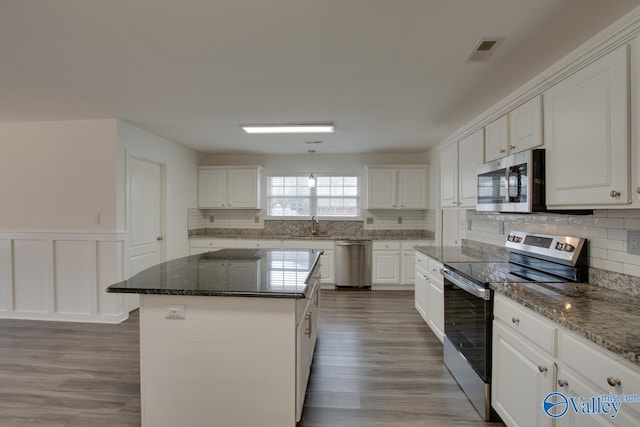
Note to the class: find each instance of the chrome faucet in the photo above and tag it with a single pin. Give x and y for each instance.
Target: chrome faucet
(314, 225)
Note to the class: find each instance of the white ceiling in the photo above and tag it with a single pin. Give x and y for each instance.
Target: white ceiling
(390, 74)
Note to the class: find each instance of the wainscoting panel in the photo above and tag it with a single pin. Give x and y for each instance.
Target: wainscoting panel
(32, 276)
(61, 276)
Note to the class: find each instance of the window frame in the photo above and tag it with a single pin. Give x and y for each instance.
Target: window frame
(313, 198)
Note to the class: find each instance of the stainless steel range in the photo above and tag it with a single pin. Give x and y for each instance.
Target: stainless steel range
(468, 302)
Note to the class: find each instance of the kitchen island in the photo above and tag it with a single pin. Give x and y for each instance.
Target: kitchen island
(227, 337)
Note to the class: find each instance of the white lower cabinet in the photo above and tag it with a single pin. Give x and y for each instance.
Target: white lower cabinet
(429, 293)
(306, 334)
(435, 302)
(522, 375)
(532, 357)
(199, 246)
(386, 263)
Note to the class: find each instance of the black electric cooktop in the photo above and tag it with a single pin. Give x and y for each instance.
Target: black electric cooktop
(499, 272)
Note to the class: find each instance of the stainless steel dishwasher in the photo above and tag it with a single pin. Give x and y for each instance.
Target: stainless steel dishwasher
(353, 263)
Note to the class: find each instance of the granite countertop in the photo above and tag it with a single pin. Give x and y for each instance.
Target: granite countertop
(458, 254)
(229, 272)
(606, 317)
(259, 234)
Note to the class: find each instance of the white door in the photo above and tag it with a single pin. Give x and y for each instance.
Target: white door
(145, 225)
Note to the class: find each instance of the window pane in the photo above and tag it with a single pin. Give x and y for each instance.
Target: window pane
(337, 191)
(288, 206)
(323, 191)
(350, 191)
(323, 181)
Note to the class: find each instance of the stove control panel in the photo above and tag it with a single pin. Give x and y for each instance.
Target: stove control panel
(562, 249)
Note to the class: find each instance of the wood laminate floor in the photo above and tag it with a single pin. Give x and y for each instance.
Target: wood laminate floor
(376, 364)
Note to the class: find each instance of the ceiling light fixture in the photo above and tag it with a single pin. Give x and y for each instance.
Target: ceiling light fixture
(290, 128)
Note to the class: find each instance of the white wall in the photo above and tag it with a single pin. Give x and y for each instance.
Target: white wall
(55, 262)
(181, 181)
(55, 176)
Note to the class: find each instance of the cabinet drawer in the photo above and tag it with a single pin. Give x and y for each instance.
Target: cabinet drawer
(258, 244)
(536, 329)
(598, 365)
(211, 243)
(382, 245)
(422, 261)
(435, 267)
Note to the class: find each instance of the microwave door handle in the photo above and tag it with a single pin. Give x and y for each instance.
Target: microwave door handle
(506, 184)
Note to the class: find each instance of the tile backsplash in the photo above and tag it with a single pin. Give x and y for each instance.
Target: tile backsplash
(255, 219)
(606, 231)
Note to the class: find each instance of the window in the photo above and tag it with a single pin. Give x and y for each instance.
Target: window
(288, 269)
(333, 196)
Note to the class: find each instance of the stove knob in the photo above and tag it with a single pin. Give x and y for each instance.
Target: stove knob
(569, 248)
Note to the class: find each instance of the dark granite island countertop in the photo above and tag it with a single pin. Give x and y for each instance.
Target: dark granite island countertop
(460, 254)
(269, 273)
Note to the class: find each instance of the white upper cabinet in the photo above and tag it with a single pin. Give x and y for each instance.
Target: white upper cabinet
(412, 188)
(470, 156)
(229, 188)
(497, 138)
(586, 131)
(517, 131)
(525, 126)
(449, 175)
(397, 187)
(382, 188)
(459, 162)
(212, 188)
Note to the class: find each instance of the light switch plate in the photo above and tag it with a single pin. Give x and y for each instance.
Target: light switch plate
(633, 242)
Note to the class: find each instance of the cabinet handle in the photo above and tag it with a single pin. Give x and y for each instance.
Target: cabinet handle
(308, 319)
(542, 368)
(562, 383)
(515, 320)
(512, 147)
(613, 381)
(614, 193)
(229, 204)
(638, 190)
(502, 150)
(402, 206)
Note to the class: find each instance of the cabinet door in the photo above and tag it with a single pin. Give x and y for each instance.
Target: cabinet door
(521, 378)
(496, 139)
(525, 126)
(420, 293)
(304, 356)
(412, 189)
(381, 188)
(586, 135)
(574, 386)
(243, 189)
(327, 266)
(386, 267)
(470, 156)
(449, 175)
(435, 308)
(408, 267)
(212, 188)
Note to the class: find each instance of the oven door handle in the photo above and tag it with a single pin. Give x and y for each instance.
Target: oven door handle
(467, 286)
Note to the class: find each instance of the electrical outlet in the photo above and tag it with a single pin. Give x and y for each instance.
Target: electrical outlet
(369, 220)
(211, 218)
(175, 311)
(256, 219)
(96, 218)
(399, 220)
(633, 242)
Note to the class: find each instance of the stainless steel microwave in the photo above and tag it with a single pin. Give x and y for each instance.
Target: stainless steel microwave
(512, 184)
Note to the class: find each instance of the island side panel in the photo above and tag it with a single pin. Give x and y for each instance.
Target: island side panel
(229, 362)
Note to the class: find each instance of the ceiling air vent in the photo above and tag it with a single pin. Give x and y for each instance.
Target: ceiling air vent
(483, 49)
